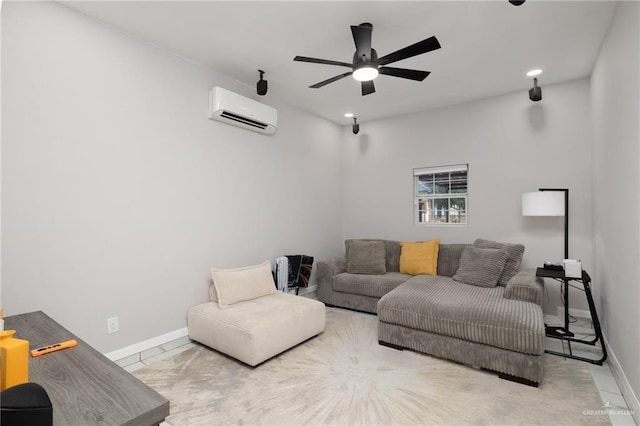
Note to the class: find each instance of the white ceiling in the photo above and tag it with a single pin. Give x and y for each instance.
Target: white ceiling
(487, 46)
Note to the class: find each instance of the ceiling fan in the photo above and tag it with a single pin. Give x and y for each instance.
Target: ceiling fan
(366, 65)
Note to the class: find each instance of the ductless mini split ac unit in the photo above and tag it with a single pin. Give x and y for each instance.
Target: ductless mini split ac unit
(237, 110)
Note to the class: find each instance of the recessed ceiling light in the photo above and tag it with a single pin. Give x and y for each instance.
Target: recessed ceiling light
(533, 73)
(349, 115)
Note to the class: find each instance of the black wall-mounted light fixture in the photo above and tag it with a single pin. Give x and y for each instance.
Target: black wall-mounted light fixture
(356, 127)
(535, 93)
(262, 86)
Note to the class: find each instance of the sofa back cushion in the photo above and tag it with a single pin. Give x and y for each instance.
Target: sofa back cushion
(392, 252)
(449, 258)
(365, 257)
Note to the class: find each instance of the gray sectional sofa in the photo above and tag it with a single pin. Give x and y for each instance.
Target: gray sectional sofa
(496, 323)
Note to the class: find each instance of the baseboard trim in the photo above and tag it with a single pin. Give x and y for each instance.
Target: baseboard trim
(303, 291)
(147, 344)
(625, 387)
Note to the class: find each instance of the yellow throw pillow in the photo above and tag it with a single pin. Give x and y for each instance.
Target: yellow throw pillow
(419, 258)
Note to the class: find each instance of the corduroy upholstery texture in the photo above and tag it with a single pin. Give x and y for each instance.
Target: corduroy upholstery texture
(366, 257)
(477, 355)
(525, 286)
(391, 248)
(497, 328)
(449, 258)
(362, 299)
(515, 252)
(367, 285)
(327, 270)
(259, 329)
(481, 267)
(443, 306)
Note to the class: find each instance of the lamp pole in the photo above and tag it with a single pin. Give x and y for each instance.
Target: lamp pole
(566, 216)
(566, 255)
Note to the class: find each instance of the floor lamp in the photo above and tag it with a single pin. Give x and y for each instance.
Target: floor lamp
(552, 202)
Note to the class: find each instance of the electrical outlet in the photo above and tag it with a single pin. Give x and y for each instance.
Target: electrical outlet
(112, 325)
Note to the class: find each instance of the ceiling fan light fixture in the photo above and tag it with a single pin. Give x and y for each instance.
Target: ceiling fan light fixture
(533, 73)
(348, 114)
(365, 73)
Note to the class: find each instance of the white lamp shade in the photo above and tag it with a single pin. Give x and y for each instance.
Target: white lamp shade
(543, 203)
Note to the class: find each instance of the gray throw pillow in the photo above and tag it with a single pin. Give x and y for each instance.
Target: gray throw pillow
(515, 252)
(365, 257)
(481, 267)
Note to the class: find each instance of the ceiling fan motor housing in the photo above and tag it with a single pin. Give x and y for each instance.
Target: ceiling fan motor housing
(359, 61)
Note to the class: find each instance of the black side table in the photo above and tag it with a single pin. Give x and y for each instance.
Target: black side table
(563, 333)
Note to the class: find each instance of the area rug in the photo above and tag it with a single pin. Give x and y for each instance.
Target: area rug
(343, 377)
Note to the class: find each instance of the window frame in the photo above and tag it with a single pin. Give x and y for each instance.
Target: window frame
(418, 197)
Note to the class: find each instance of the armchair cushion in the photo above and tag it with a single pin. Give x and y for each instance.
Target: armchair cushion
(238, 285)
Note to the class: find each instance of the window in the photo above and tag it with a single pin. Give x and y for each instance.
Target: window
(441, 195)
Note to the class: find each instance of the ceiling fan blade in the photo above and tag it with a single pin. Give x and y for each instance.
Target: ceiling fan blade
(368, 88)
(322, 61)
(330, 80)
(424, 46)
(404, 73)
(362, 39)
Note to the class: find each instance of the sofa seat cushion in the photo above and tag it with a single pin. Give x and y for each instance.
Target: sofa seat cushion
(368, 285)
(259, 329)
(478, 314)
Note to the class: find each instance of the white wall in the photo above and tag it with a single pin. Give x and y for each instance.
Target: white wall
(118, 194)
(616, 176)
(512, 146)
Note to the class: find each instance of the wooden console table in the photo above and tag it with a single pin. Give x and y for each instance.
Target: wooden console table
(85, 387)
